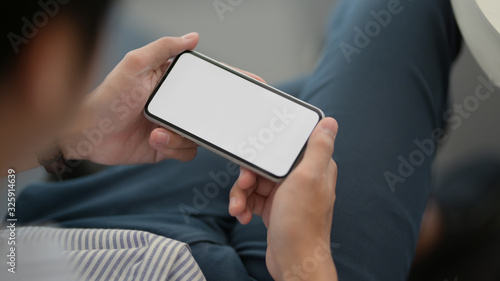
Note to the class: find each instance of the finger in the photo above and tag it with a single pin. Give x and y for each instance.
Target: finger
(320, 146)
(245, 217)
(163, 138)
(266, 212)
(239, 197)
(237, 200)
(183, 154)
(264, 188)
(256, 77)
(256, 203)
(246, 179)
(156, 54)
(241, 201)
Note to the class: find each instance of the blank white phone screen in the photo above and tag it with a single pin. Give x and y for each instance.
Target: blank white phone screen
(234, 114)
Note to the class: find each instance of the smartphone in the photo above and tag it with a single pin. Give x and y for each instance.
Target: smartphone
(240, 118)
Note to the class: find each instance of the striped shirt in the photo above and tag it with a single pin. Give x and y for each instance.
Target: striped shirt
(45, 253)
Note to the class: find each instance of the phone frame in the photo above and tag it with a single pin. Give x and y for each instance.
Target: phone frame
(212, 147)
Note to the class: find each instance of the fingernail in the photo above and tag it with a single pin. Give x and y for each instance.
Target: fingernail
(189, 36)
(238, 218)
(329, 131)
(242, 172)
(161, 138)
(232, 202)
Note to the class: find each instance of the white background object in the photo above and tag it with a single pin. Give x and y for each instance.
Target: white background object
(479, 22)
(234, 114)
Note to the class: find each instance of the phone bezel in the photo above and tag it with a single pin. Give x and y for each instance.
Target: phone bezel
(212, 147)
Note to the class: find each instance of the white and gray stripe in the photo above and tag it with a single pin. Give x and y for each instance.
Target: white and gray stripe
(103, 254)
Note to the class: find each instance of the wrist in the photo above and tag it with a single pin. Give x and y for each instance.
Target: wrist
(52, 160)
(309, 267)
(308, 260)
(72, 146)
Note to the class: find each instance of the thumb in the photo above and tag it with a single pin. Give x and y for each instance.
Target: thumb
(160, 51)
(320, 146)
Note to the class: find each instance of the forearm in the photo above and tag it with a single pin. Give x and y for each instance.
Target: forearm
(311, 269)
(307, 259)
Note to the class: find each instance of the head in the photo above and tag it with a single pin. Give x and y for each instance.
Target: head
(45, 58)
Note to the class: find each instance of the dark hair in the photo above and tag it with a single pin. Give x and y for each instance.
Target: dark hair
(22, 19)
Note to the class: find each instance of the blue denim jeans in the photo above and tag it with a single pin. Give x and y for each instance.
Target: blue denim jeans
(383, 75)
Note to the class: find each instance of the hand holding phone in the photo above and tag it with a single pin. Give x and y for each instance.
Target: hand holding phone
(286, 205)
(233, 115)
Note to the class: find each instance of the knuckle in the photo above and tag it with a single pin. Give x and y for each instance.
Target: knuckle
(169, 43)
(306, 175)
(325, 142)
(133, 57)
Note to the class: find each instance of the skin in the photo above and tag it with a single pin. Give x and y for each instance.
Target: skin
(431, 231)
(304, 200)
(133, 139)
(34, 102)
(43, 103)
